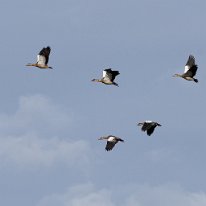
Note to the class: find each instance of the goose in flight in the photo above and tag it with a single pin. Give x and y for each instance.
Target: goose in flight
(108, 77)
(148, 126)
(190, 70)
(42, 59)
(111, 141)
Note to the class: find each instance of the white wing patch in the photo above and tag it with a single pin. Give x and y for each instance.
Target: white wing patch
(186, 68)
(41, 60)
(111, 139)
(104, 73)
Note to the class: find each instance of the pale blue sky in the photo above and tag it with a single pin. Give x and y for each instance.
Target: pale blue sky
(50, 120)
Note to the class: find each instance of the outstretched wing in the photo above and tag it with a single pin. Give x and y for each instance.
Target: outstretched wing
(192, 71)
(190, 63)
(43, 56)
(150, 130)
(152, 127)
(146, 125)
(108, 73)
(41, 60)
(110, 145)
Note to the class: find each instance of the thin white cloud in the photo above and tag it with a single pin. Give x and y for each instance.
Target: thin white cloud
(160, 155)
(139, 195)
(78, 196)
(35, 113)
(30, 137)
(167, 195)
(30, 151)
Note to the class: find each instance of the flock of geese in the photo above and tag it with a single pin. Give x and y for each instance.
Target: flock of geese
(108, 78)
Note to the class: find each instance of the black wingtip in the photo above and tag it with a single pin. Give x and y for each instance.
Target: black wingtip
(114, 83)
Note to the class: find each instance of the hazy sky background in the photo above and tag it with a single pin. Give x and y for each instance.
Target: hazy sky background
(50, 120)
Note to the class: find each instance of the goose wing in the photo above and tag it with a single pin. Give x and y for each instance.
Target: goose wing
(152, 127)
(111, 141)
(110, 145)
(150, 130)
(190, 63)
(108, 73)
(104, 73)
(41, 60)
(43, 56)
(192, 71)
(146, 125)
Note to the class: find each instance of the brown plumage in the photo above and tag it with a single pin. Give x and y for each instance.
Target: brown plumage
(111, 141)
(108, 77)
(148, 126)
(190, 70)
(42, 59)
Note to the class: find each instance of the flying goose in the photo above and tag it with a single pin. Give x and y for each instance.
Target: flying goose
(148, 126)
(108, 77)
(190, 70)
(42, 59)
(111, 141)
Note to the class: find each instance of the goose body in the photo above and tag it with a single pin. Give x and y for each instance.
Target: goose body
(42, 59)
(111, 141)
(148, 126)
(190, 70)
(108, 77)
